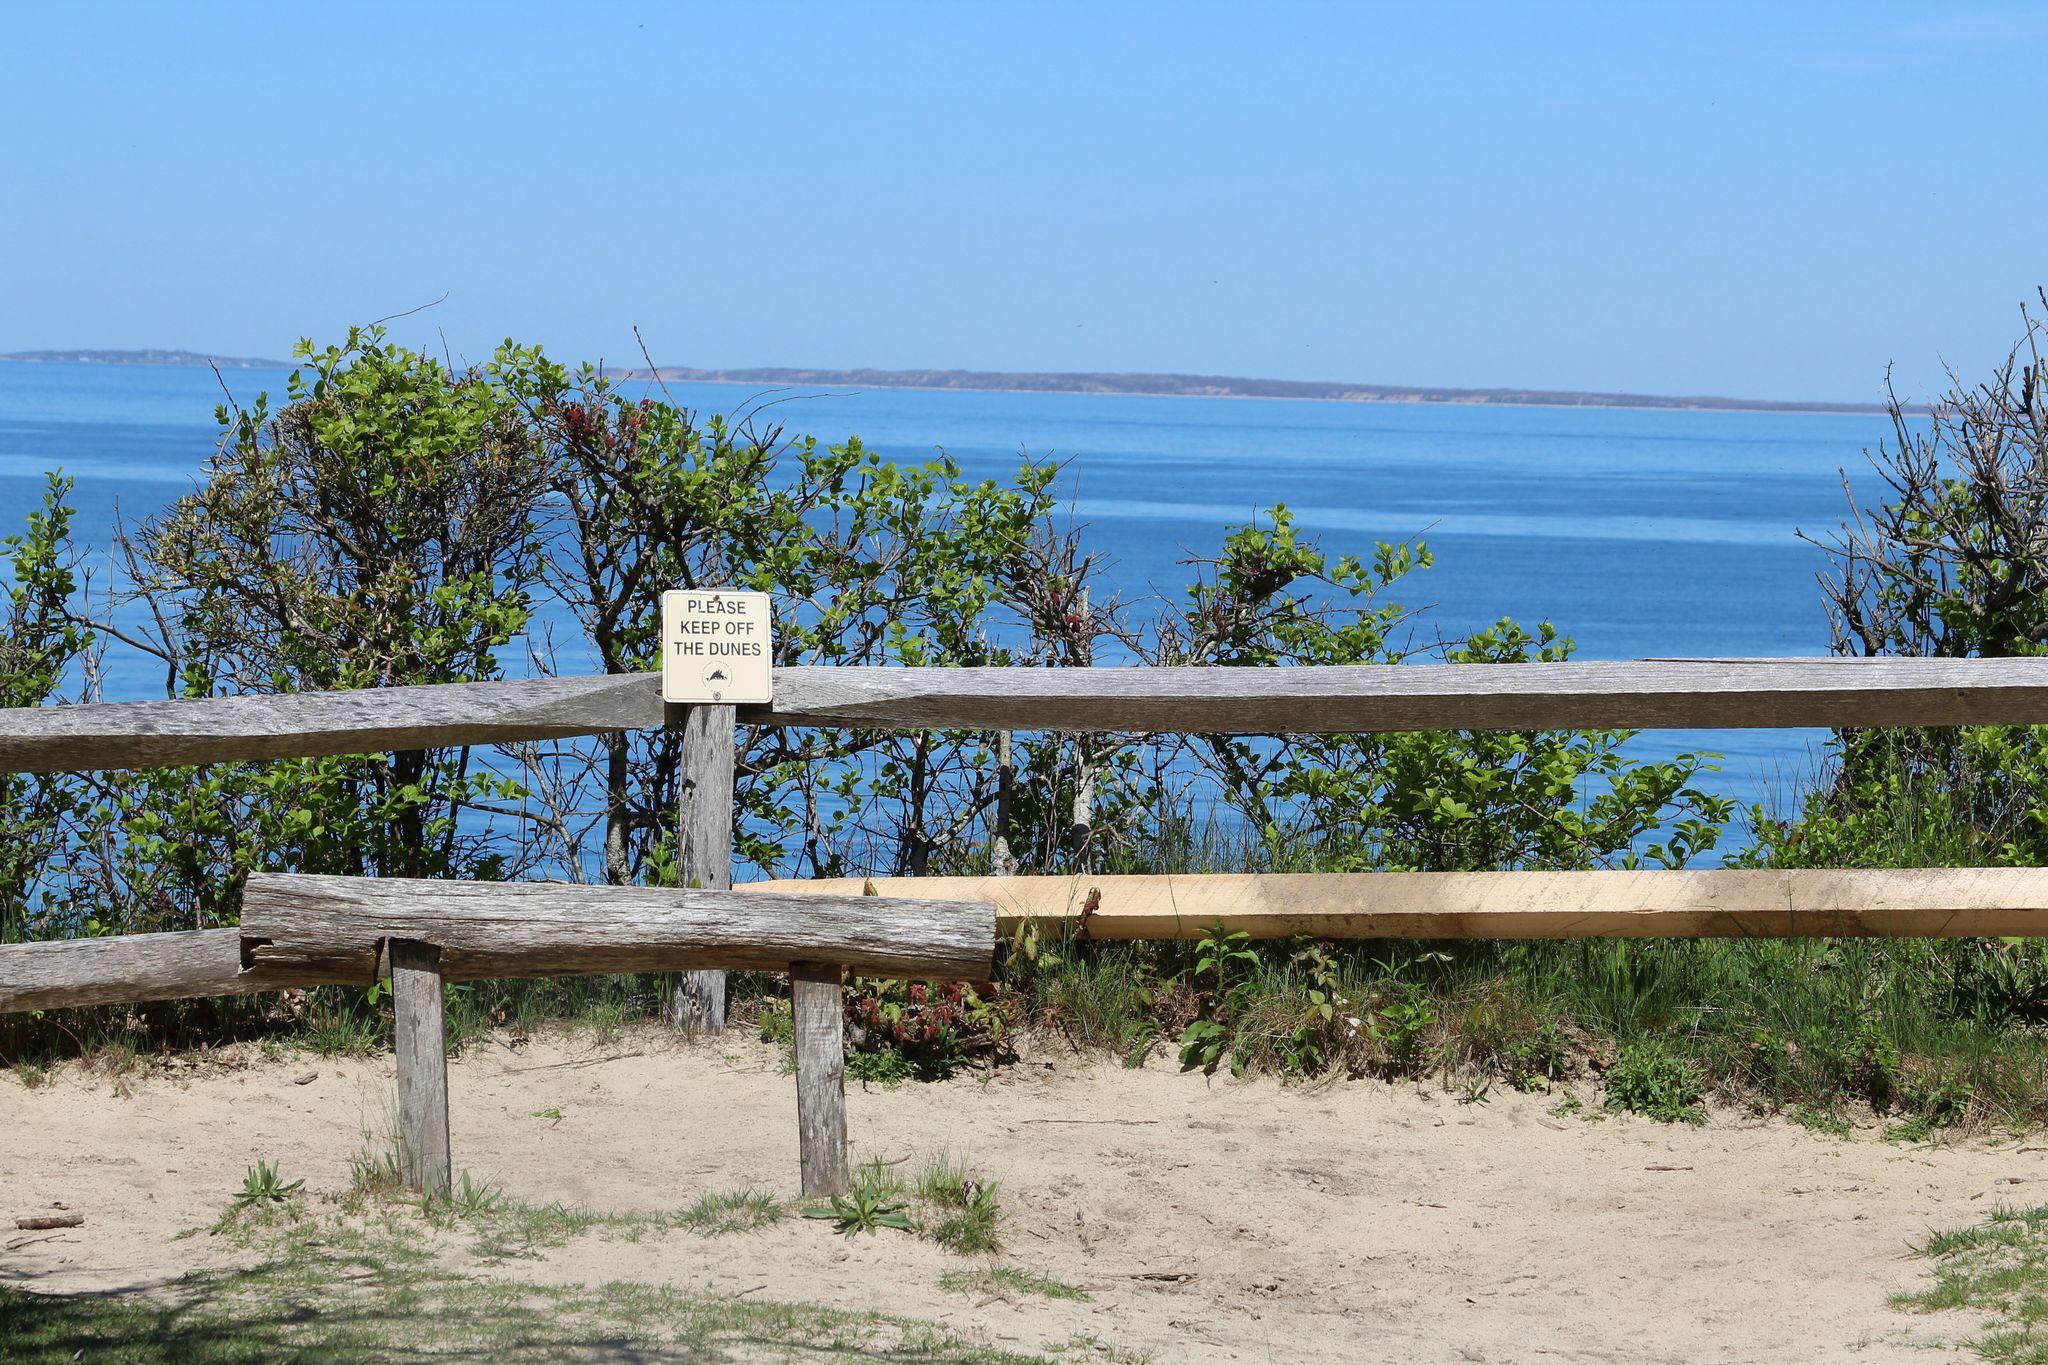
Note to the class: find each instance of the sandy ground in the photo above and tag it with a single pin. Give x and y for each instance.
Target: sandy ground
(1210, 1220)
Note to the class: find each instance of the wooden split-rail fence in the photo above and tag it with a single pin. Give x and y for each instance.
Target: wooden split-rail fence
(305, 930)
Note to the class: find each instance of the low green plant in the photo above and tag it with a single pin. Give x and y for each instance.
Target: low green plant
(879, 1066)
(1322, 1023)
(1090, 1347)
(265, 1184)
(344, 1023)
(1223, 961)
(1402, 1026)
(1534, 1062)
(1943, 1100)
(875, 1201)
(521, 1231)
(606, 1020)
(1912, 1128)
(264, 1197)
(1819, 1120)
(115, 1057)
(1096, 999)
(1646, 1079)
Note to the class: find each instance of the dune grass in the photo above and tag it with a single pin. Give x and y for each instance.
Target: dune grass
(1997, 1271)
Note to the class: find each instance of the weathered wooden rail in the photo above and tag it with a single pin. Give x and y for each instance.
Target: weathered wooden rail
(497, 930)
(1725, 693)
(300, 931)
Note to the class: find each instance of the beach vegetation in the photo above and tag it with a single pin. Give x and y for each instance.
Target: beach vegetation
(396, 519)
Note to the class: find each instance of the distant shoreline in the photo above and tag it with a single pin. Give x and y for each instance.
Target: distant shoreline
(184, 360)
(1645, 404)
(1079, 384)
(1214, 386)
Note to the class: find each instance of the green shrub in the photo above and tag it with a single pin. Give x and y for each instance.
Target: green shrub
(1646, 1079)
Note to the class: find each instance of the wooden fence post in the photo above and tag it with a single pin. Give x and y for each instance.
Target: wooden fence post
(704, 835)
(815, 996)
(423, 1155)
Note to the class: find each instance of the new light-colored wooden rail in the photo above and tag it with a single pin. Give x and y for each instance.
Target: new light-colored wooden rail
(425, 934)
(1688, 903)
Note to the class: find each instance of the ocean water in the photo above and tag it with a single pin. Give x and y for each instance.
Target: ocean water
(1638, 533)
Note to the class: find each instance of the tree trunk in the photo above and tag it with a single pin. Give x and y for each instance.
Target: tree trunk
(1002, 858)
(618, 862)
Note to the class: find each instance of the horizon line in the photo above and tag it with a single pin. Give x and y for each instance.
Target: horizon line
(1077, 382)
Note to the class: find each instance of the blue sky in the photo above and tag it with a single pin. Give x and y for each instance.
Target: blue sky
(1771, 201)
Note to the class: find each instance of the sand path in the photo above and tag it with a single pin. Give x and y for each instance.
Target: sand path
(1210, 1220)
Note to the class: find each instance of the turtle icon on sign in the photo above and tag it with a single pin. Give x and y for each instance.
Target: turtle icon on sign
(715, 674)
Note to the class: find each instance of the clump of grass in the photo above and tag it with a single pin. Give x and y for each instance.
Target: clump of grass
(515, 1230)
(1003, 1281)
(343, 1024)
(967, 1217)
(373, 1176)
(606, 1020)
(116, 1058)
(723, 1213)
(1646, 1079)
(467, 1199)
(1998, 1268)
(1110, 1000)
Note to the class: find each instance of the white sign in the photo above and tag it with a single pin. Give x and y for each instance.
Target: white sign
(716, 647)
